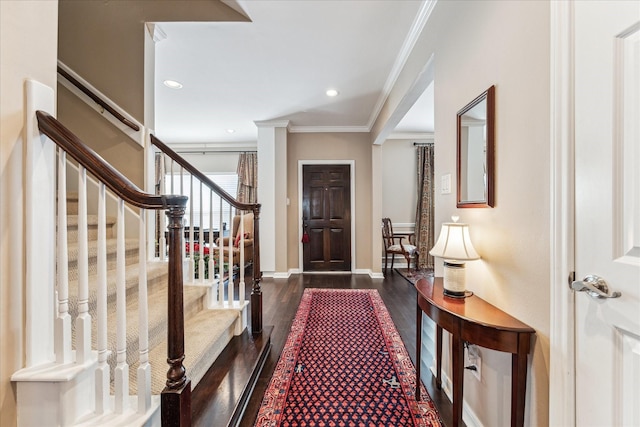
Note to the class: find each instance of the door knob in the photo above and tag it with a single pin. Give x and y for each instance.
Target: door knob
(595, 286)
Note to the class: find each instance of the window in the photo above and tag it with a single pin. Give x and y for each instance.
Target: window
(227, 181)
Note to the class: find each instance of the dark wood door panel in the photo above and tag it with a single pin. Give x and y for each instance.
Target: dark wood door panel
(336, 245)
(327, 217)
(336, 207)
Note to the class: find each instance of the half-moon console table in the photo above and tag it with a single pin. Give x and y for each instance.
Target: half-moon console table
(477, 322)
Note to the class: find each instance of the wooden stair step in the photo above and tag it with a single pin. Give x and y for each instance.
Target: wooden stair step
(156, 276)
(92, 227)
(157, 320)
(131, 248)
(208, 333)
(222, 394)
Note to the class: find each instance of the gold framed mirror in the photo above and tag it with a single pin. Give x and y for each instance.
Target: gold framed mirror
(475, 152)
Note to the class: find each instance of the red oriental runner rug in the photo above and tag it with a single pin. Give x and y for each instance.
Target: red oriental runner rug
(344, 364)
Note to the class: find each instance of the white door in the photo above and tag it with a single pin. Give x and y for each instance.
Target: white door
(607, 141)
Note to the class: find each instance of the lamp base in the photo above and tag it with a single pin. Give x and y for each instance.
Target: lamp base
(459, 295)
(454, 279)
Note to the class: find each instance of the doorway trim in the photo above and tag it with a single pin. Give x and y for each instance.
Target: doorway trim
(562, 392)
(352, 179)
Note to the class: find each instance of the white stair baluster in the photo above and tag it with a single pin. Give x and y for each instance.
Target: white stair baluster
(83, 321)
(172, 179)
(103, 376)
(212, 271)
(241, 279)
(121, 375)
(62, 343)
(163, 219)
(144, 368)
(192, 266)
(230, 260)
(221, 260)
(201, 239)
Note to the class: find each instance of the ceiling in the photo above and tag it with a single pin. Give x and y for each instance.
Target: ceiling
(279, 65)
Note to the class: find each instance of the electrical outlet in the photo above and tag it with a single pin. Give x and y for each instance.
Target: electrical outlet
(473, 361)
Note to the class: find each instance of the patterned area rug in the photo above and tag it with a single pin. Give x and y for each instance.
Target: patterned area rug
(415, 275)
(344, 364)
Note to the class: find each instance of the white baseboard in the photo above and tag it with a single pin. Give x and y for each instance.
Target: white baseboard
(281, 275)
(374, 275)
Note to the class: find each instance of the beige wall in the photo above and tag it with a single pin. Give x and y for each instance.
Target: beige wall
(123, 153)
(24, 54)
(399, 184)
(104, 43)
(115, 29)
(476, 45)
(332, 146)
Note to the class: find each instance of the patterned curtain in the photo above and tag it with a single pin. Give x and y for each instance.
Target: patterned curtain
(424, 211)
(248, 177)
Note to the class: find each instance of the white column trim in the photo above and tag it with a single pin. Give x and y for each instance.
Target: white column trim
(40, 226)
(561, 254)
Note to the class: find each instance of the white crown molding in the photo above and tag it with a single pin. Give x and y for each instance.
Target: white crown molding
(412, 135)
(181, 147)
(409, 42)
(329, 129)
(273, 124)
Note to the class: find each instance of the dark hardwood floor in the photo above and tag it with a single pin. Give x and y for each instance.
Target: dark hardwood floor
(280, 303)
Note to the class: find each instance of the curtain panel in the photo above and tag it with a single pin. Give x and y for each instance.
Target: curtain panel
(425, 211)
(247, 177)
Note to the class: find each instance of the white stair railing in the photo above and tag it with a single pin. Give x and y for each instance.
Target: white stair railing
(121, 375)
(103, 374)
(62, 329)
(83, 319)
(144, 368)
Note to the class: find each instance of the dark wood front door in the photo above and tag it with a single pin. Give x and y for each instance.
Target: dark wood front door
(326, 213)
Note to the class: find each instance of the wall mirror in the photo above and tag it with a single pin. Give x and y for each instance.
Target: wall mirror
(475, 152)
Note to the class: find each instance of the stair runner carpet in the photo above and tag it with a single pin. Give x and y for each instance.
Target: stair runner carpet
(344, 364)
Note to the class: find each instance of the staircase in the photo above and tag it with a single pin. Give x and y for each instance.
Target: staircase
(113, 338)
(208, 331)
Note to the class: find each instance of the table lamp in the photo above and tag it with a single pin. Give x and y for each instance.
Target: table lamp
(454, 246)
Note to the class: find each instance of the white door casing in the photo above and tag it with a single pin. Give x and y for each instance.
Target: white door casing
(607, 211)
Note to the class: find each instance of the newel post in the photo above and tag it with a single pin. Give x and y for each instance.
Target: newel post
(176, 396)
(256, 291)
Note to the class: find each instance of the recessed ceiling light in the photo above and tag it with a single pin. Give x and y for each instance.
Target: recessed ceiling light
(231, 130)
(332, 92)
(173, 84)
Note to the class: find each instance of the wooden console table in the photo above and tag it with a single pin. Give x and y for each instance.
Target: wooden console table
(477, 322)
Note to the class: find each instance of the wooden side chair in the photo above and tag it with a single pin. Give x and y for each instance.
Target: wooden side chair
(398, 243)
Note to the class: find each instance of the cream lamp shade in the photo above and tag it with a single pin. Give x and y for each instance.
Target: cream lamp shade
(455, 247)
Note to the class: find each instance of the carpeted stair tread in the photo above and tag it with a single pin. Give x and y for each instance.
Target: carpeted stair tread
(131, 247)
(157, 320)
(156, 276)
(92, 227)
(208, 332)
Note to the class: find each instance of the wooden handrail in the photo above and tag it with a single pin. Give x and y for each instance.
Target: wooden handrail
(97, 99)
(176, 397)
(102, 170)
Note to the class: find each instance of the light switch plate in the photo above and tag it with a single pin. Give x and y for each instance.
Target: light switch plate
(445, 187)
